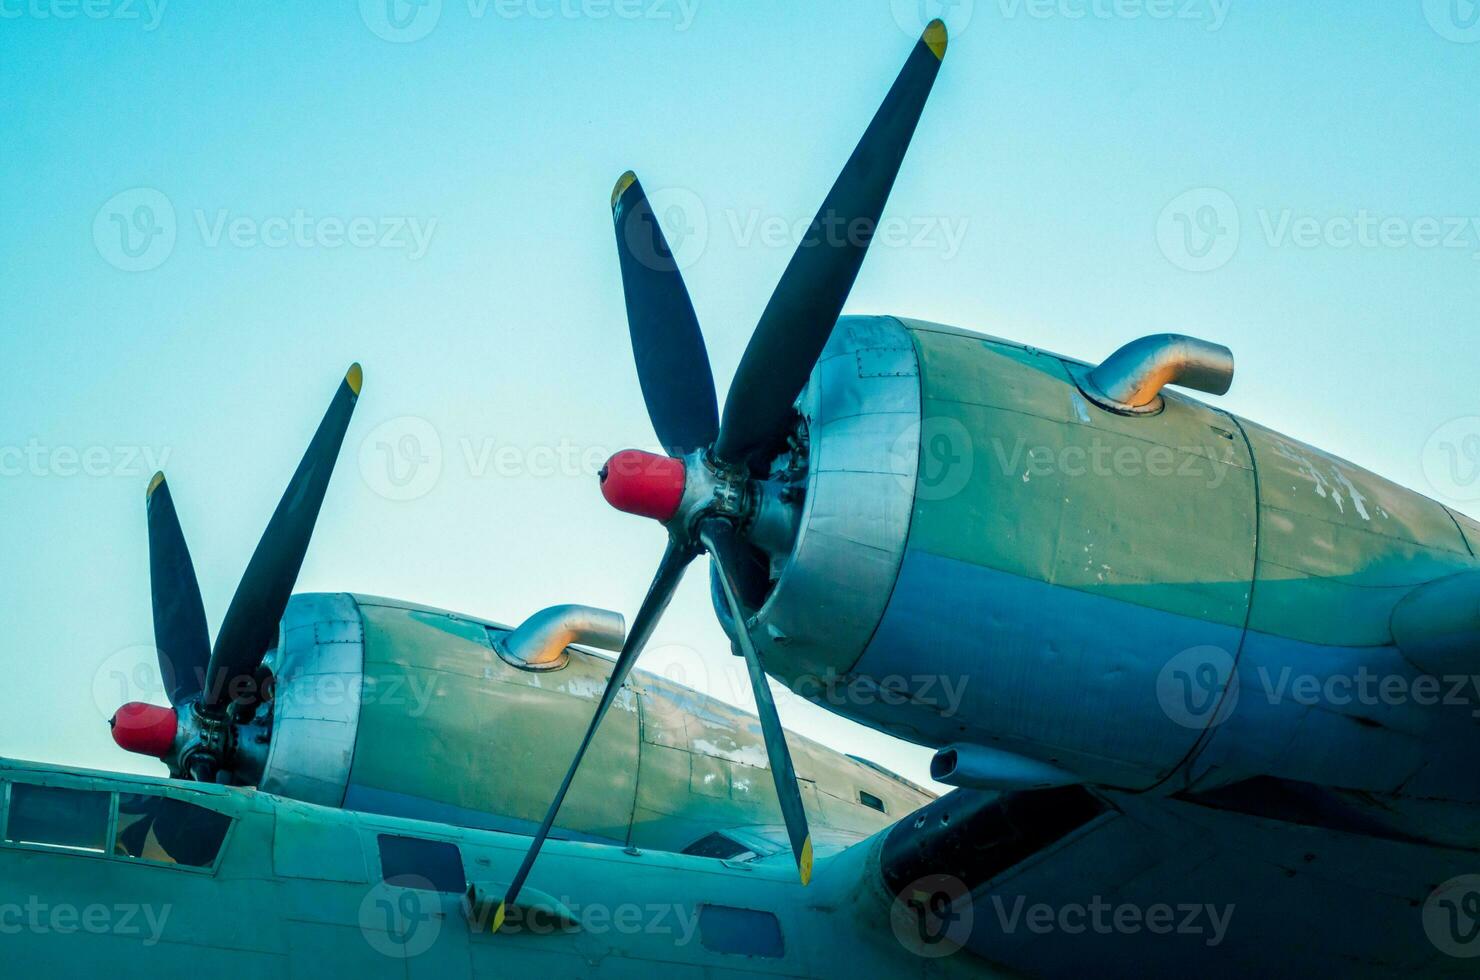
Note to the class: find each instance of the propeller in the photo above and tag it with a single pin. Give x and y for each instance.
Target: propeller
(710, 492)
(180, 634)
(202, 681)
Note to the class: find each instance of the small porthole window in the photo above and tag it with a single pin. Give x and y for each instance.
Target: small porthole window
(871, 801)
(740, 932)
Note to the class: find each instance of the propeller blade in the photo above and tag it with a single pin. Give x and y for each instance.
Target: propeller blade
(672, 362)
(800, 315)
(180, 633)
(670, 572)
(719, 538)
(251, 624)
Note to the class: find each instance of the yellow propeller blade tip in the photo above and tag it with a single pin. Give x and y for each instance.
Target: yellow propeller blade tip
(935, 38)
(498, 919)
(154, 484)
(354, 377)
(804, 863)
(623, 182)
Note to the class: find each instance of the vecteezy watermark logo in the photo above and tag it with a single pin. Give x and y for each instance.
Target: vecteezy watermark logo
(1106, 918)
(148, 12)
(1369, 689)
(932, 916)
(688, 225)
(1369, 230)
(401, 918)
(401, 21)
(1104, 459)
(38, 918)
(1198, 688)
(1454, 20)
(405, 233)
(939, 691)
(401, 459)
(679, 13)
(130, 674)
(926, 232)
(1213, 13)
(682, 666)
(404, 21)
(684, 222)
(135, 229)
(940, 454)
(913, 15)
(1451, 917)
(1198, 230)
(37, 459)
(1451, 459)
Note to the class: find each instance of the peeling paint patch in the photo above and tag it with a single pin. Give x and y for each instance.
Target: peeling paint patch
(745, 755)
(1337, 488)
(1081, 410)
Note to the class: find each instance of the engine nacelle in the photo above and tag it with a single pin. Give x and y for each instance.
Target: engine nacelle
(990, 552)
(393, 708)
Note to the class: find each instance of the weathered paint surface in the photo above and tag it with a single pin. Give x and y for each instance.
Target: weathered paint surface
(449, 729)
(299, 891)
(1060, 557)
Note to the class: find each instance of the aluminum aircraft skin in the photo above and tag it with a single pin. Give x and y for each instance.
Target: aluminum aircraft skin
(257, 885)
(391, 707)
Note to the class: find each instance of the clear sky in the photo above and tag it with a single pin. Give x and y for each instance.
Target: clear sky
(210, 210)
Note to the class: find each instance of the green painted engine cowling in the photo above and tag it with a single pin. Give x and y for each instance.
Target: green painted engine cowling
(1030, 571)
(388, 707)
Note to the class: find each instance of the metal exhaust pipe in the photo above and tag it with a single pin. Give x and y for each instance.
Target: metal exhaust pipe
(540, 641)
(978, 767)
(1131, 379)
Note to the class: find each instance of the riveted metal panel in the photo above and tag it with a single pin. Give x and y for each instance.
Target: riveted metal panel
(446, 720)
(1470, 528)
(319, 675)
(1069, 553)
(1156, 511)
(862, 408)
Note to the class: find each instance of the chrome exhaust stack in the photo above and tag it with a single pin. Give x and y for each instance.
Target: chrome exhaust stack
(981, 768)
(539, 643)
(1131, 379)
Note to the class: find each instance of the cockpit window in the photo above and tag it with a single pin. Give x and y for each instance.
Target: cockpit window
(167, 831)
(870, 800)
(55, 817)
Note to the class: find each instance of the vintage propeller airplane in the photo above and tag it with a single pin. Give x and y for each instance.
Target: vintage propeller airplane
(389, 707)
(1107, 566)
(1121, 574)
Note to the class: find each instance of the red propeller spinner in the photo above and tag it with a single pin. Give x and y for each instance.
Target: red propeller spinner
(144, 728)
(644, 484)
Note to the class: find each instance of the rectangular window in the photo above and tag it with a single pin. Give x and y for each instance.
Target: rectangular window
(741, 932)
(719, 846)
(871, 801)
(430, 865)
(70, 818)
(168, 831)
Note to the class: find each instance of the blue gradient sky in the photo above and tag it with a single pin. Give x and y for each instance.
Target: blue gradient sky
(1061, 144)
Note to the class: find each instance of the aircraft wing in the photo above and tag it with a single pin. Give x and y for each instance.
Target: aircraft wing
(1067, 881)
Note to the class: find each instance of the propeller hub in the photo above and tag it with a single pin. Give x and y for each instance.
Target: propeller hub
(644, 484)
(146, 729)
